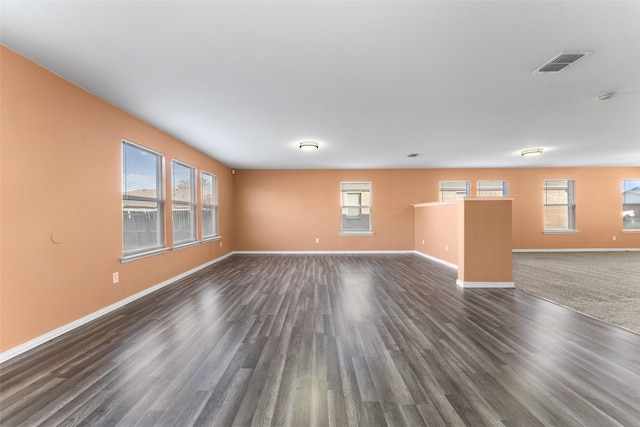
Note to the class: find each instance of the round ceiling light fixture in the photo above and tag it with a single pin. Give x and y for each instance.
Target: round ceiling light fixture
(530, 152)
(605, 96)
(308, 145)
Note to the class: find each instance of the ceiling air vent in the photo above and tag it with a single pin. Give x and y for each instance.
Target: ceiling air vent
(560, 62)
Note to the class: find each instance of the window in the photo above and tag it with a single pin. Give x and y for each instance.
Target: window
(184, 204)
(492, 188)
(355, 206)
(559, 205)
(453, 190)
(209, 205)
(631, 204)
(142, 203)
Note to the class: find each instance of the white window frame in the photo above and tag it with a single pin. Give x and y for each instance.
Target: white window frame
(354, 211)
(175, 203)
(570, 204)
(142, 251)
(460, 188)
(631, 205)
(491, 186)
(213, 205)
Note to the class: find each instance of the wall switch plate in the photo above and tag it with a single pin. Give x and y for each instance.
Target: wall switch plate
(116, 277)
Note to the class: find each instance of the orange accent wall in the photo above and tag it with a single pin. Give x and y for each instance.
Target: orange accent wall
(61, 172)
(484, 230)
(286, 210)
(436, 230)
(474, 234)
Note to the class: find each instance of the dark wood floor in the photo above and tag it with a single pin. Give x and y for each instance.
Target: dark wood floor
(330, 340)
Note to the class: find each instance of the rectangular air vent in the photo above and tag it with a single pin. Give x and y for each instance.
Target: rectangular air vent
(560, 62)
(413, 155)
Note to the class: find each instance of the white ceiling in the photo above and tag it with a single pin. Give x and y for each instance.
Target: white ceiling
(371, 81)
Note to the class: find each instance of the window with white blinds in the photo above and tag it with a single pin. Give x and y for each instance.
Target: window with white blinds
(492, 188)
(453, 190)
(184, 203)
(631, 204)
(142, 202)
(559, 205)
(209, 195)
(355, 208)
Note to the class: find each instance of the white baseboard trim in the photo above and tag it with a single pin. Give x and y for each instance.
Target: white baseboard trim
(22, 348)
(484, 285)
(321, 252)
(579, 250)
(438, 260)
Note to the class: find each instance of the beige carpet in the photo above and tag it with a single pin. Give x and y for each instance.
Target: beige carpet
(605, 285)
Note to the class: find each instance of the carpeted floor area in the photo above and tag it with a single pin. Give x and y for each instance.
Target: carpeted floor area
(604, 285)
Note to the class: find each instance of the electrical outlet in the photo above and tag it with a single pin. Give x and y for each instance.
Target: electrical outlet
(614, 237)
(220, 243)
(116, 277)
(317, 240)
(446, 247)
(423, 242)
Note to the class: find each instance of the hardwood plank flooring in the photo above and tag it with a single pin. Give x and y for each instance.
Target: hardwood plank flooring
(336, 340)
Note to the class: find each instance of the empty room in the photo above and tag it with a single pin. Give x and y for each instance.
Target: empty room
(331, 213)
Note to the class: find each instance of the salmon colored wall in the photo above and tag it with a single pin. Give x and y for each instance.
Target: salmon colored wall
(485, 241)
(286, 210)
(598, 208)
(436, 230)
(61, 171)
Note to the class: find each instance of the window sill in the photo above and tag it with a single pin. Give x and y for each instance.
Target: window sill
(356, 233)
(210, 239)
(631, 230)
(147, 254)
(184, 245)
(560, 231)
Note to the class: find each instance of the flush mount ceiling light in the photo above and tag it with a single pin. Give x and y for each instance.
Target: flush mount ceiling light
(605, 96)
(308, 146)
(530, 152)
